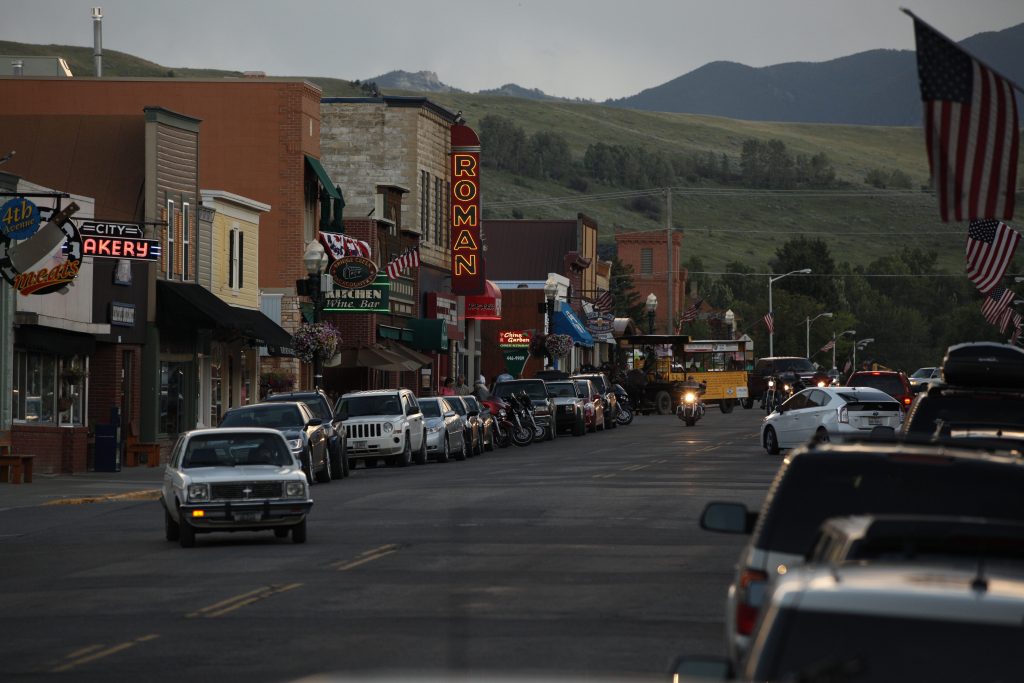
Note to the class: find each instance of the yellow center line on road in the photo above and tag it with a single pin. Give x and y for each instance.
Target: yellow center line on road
(85, 650)
(635, 468)
(231, 604)
(80, 660)
(604, 476)
(367, 556)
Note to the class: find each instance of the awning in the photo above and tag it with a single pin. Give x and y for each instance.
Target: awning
(415, 358)
(369, 357)
(185, 307)
(325, 180)
(52, 340)
(566, 322)
(486, 306)
(429, 334)
(261, 329)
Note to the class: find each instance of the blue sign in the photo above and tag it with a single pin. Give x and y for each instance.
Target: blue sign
(19, 218)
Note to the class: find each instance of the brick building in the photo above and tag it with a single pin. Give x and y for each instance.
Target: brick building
(648, 254)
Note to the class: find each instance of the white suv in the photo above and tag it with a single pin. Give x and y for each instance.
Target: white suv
(383, 424)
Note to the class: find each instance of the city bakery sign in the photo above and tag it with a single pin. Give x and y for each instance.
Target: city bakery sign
(467, 249)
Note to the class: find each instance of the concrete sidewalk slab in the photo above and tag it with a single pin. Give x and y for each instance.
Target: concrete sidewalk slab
(133, 483)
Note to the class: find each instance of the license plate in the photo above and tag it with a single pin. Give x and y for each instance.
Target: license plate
(358, 444)
(247, 516)
(874, 420)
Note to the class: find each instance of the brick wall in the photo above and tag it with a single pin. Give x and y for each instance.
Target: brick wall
(629, 247)
(58, 450)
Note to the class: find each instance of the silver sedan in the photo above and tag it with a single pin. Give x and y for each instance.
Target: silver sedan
(444, 430)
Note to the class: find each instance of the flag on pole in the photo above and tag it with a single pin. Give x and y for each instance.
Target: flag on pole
(690, 314)
(971, 131)
(995, 303)
(990, 247)
(769, 322)
(1017, 323)
(339, 246)
(828, 346)
(605, 302)
(410, 258)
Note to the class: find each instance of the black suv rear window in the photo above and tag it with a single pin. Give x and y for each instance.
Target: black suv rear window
(812, 489)
(890, 384)
(966, 409)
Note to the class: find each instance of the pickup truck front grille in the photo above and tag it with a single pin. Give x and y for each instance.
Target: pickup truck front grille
(245, 490)
(368, 430)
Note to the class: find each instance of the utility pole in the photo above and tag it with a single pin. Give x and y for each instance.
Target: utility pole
(671, 278)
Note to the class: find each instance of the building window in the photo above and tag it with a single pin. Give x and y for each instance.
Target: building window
(169, 252)
(438, 207)
(172, 397)
(235, 258)
(425, 204)
(185, 239)
(49, 389)
(647, 261)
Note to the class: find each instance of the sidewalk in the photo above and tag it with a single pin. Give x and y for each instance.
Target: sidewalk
(131, 483)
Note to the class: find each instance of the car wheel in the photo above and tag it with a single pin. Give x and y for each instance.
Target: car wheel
(550, 436)
(171, 531)
(307, 466)
(281, 532)
(421, 454)
(663, 402)
(771, 441)
(323, 475)
(579, 428)
(299, 532)
(446, 450)
(462, 453)
(821, 436)
(748, 403)
(489, 443)
(468, 445)
(337, 468)
(405, 457)
(186, 533)
(726, 405)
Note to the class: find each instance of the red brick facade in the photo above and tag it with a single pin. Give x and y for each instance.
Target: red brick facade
(631, 247)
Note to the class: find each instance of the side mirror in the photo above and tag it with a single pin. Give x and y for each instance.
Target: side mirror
(450, 413)
(727, 518)
(551, 395)
(315, 422)
(702, 669)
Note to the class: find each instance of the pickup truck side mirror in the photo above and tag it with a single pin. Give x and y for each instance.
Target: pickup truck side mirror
(314, 422)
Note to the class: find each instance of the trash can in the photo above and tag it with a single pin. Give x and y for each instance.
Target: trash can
(105, 456)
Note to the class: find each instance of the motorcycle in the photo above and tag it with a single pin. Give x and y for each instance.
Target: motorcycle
(519, 416)
(503, 426)
(691, 407)
(624, 414)
(528, 416)
(780, 389)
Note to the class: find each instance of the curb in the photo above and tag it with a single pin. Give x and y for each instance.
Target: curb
(148, 494)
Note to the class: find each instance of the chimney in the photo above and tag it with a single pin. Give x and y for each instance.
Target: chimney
(97, 40)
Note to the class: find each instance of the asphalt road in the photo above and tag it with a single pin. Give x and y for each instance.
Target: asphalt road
(576, 557)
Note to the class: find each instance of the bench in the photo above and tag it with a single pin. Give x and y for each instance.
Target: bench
(14, 468)
(135, 451)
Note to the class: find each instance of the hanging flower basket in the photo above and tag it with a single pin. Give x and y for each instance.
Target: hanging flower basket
(558, 345)
(277, 381)
(314, 340)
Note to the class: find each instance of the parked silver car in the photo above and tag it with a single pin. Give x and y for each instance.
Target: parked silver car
(241, 479)
(445, 436)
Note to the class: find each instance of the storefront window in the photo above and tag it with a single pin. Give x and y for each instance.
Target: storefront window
(172, 397)
(49, 389)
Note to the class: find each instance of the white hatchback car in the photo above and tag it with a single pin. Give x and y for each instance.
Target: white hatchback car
(824, 412)
(234, 479)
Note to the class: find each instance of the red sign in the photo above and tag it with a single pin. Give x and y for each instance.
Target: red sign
(121, 247)
(467, 251)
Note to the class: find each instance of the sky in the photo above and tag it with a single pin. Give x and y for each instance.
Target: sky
(592, 49)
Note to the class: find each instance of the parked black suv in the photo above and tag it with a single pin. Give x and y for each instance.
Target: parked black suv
(321, 407)
(983, 395)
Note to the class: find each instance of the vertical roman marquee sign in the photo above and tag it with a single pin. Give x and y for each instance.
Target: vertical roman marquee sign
(467, 251)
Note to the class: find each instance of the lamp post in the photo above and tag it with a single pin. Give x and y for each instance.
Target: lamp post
(652, 306)
(809, 321)
(550, 292)
(835, 338)
(315, 260)
(771, 335)
(730, 322)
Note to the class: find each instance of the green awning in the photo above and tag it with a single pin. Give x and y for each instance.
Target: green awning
(429, 334)
(325, 179)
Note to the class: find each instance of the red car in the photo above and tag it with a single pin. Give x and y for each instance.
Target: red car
(892, 382)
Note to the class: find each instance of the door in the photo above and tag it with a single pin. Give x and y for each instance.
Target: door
(790, 422)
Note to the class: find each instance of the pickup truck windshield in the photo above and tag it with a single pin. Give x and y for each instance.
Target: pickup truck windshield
(534, 389)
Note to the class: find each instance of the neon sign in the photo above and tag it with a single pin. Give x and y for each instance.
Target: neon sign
(467, 252)
(118, 240)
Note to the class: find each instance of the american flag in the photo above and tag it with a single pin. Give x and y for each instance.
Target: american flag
(410, 258)
(970, 129)
(1004, 320)
(1017, 323)
(990, 247)
(605, 302)
(690, 314)
(769, 322)
(339, 245)
(996, 302)
(828, 346)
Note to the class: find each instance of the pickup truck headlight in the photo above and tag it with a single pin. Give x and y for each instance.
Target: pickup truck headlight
(433, 430)
(388, 427)
(295, 489)
(198, 492)
(295, 444)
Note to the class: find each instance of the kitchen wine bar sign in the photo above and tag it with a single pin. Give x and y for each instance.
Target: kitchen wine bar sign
(467, 250)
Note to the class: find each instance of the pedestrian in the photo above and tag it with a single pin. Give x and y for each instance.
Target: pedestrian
(461, 388)
(449, 387)
(480, 389)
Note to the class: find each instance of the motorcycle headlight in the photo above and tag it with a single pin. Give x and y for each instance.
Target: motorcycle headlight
(295, 444)
(689, 397)
(198, 492)
(295, 489)
(771, 383)
(388, 427)
(821, 383)
(785, 387)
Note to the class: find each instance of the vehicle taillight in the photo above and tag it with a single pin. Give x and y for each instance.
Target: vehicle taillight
(907, 400)
(844, 415)
(748, 600)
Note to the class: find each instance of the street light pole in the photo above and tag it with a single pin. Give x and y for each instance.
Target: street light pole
(810, 320)
(550, 292)
(652, 305)
(315, 261)
(771, 334)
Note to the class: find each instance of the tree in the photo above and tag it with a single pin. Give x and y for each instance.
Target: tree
(628, 303)
(800, 253)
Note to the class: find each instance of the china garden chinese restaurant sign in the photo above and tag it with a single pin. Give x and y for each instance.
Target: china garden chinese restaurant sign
(515, 346)
(467, 250)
